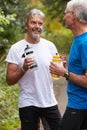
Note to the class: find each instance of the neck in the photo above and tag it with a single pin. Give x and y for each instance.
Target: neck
(32, 40)
(79, 29)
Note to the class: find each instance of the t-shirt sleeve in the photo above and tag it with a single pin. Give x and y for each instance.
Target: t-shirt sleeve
(53, 49)
(12, 56)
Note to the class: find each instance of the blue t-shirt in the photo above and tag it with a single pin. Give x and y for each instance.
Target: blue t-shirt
(77, 63)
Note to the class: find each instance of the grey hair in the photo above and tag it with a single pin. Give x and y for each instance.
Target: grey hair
(79, 7)
(32, 13)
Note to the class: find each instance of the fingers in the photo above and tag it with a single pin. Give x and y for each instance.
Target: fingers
(52, 68)
(28, 63)
(56, 69)
(65, 64)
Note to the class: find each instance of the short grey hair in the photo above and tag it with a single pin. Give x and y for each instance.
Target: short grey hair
(32, 13)
(36, 12)
(79, 7)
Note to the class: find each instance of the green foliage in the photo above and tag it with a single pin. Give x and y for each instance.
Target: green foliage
(62, 41)
(8, 107)
(8, 102)
(10, 23)
(59, 35)
(54, 25)
(5, 23)
(56, 7)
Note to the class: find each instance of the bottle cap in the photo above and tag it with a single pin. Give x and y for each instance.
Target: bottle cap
(56, 56)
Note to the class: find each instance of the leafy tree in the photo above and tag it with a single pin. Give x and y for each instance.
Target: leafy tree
(55, 29)
(4, 24)
(56, 7)
(11, 19)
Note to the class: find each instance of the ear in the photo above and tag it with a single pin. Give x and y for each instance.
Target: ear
(74, 16)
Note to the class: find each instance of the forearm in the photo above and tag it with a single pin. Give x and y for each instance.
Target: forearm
(80, 80)
(13, 77)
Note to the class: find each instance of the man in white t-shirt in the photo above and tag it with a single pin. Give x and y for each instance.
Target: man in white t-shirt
(31, 71)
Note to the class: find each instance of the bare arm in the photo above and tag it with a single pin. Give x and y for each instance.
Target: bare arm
(80, 80)
(14, 72)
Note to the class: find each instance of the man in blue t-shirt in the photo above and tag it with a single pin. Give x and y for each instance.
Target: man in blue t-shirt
(75, 116)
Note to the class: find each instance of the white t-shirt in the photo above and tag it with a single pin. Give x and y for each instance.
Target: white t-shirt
(36, 87)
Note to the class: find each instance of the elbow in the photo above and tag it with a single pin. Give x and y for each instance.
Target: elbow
(9, 82)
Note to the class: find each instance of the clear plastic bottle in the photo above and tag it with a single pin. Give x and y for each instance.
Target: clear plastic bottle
(30, 53)
(56, 59)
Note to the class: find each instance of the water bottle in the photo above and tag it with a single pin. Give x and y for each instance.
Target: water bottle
(56, 59)
(30, 53)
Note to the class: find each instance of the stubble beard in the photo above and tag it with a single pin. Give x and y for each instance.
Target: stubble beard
(36, 37)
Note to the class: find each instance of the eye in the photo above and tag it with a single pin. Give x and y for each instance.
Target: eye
(40, 23)
(33, 22)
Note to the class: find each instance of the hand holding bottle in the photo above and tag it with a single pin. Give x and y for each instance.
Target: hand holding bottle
(58, 61)
(30, 61)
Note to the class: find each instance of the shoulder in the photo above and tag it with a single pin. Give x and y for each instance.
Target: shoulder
(47, 42)
(18, 44)
(50, 45)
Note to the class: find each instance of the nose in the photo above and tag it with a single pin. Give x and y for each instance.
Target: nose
(37, 25)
